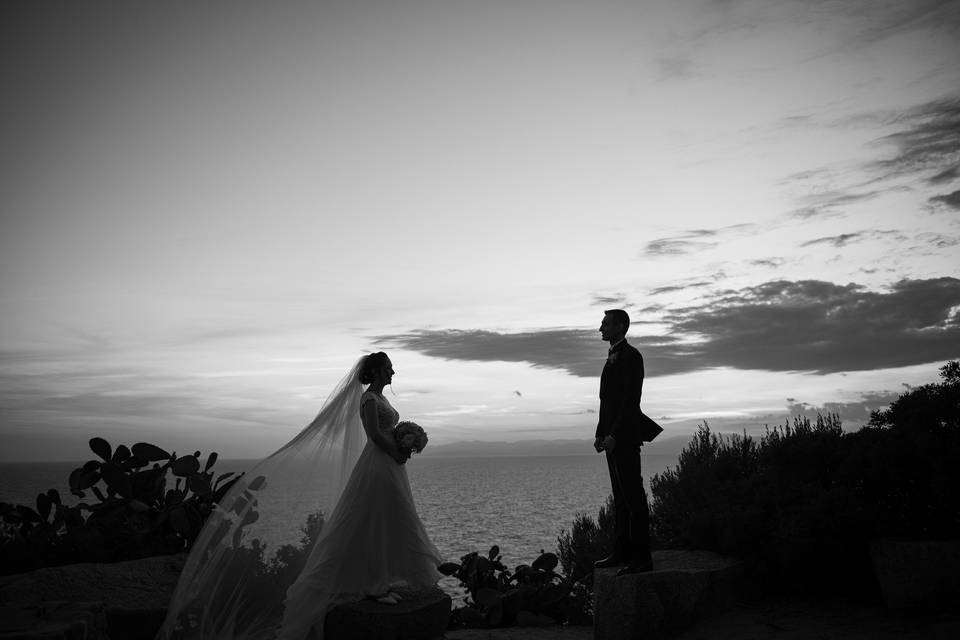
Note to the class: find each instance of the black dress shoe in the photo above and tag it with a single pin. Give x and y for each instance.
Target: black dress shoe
(609, 561)
(635, 567)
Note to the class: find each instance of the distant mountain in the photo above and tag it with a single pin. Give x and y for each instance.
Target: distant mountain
(477, 448)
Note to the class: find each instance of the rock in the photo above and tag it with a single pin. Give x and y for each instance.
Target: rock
(683, 587)
(917, 575)
(555, 632)
(54, 621)
(133, 584)
(421, 615)
(135, 592)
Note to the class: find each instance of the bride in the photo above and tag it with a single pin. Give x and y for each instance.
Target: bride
(372, 543)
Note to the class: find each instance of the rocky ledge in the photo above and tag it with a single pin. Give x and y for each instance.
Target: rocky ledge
(420, 615)
(128, 601)
(134, 594)
(683, 587)
(53, 621)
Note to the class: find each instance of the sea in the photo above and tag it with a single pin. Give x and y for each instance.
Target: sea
(520, 503)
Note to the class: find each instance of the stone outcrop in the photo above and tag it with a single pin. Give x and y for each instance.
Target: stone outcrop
(128, 601)
(918, 575)
(135, 593)
(683, 587)
(420, 615)
(53, 621)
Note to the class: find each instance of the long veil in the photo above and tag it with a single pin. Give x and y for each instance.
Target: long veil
(257, 539)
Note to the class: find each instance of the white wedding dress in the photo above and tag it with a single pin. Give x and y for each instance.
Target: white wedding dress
(234, 580)
(372, 542)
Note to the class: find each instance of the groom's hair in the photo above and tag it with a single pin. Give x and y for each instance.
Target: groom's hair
(620, 316)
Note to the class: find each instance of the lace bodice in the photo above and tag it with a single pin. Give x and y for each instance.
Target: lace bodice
(387, 416)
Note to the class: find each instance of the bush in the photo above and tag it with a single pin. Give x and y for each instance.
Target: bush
(702, 503)
(800, 505)
(931, 407)
(530, 595)
(778, 504)
(587, 541)
(135, 514)
(261, 581)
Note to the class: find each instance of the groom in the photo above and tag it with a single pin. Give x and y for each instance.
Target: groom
(618, 434)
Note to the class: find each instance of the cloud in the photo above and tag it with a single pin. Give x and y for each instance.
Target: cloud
(807, 325)
(844, 239)
(676, 247)
(823, 327)
(769, 262)
(807, 175)
(856, 412)
(925, 142)
(950, 199)
(945, 176)
(612, 300)
(679, 287)
(650, 308)
(928, 141)
(572, 349)
(798, 121)
(881, 22)
(829, 204)
(693, 240)
(52, 400)
(837, 241)
(924, 241)
(675, 67)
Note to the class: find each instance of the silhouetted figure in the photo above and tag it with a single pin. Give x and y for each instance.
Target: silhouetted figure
(620, 435)
(371, 542)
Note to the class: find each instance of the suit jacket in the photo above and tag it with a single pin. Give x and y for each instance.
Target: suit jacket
(621, 385)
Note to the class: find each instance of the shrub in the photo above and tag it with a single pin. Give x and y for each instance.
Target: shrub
(587, 541)
(530, 595)
(800, 505)
(264, 582)
(135, 514)
(775, 503)
(930, 407)
(702, 502)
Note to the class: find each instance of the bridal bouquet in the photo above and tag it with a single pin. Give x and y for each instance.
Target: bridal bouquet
(410, 437)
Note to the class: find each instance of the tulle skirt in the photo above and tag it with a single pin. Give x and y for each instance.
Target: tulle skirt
(373, 541)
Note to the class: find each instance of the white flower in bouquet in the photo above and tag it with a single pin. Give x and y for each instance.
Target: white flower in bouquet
(410, 437)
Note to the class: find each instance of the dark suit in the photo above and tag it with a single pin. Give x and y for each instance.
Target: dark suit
(621, 385)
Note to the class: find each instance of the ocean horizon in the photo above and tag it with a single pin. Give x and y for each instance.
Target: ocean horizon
(466, 503)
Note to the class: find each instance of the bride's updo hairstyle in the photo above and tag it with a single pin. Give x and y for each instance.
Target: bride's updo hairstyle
(371, 365)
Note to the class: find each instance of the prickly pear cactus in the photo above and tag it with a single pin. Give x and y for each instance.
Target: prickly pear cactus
(128, 509)
(530, 595)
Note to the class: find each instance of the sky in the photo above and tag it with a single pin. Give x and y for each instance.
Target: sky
(210, 210)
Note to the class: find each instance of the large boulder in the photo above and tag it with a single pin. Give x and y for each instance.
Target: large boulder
(420, 615)
(683, 587)
(918, 575)
(135, 593)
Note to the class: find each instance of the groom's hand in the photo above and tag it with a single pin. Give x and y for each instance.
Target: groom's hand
(609, 443)
(598, 444)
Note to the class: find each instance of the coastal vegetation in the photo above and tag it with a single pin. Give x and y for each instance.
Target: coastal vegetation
(128, 509)
(801, 503)
(530, 595)
(588, 540)
(798, 505)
